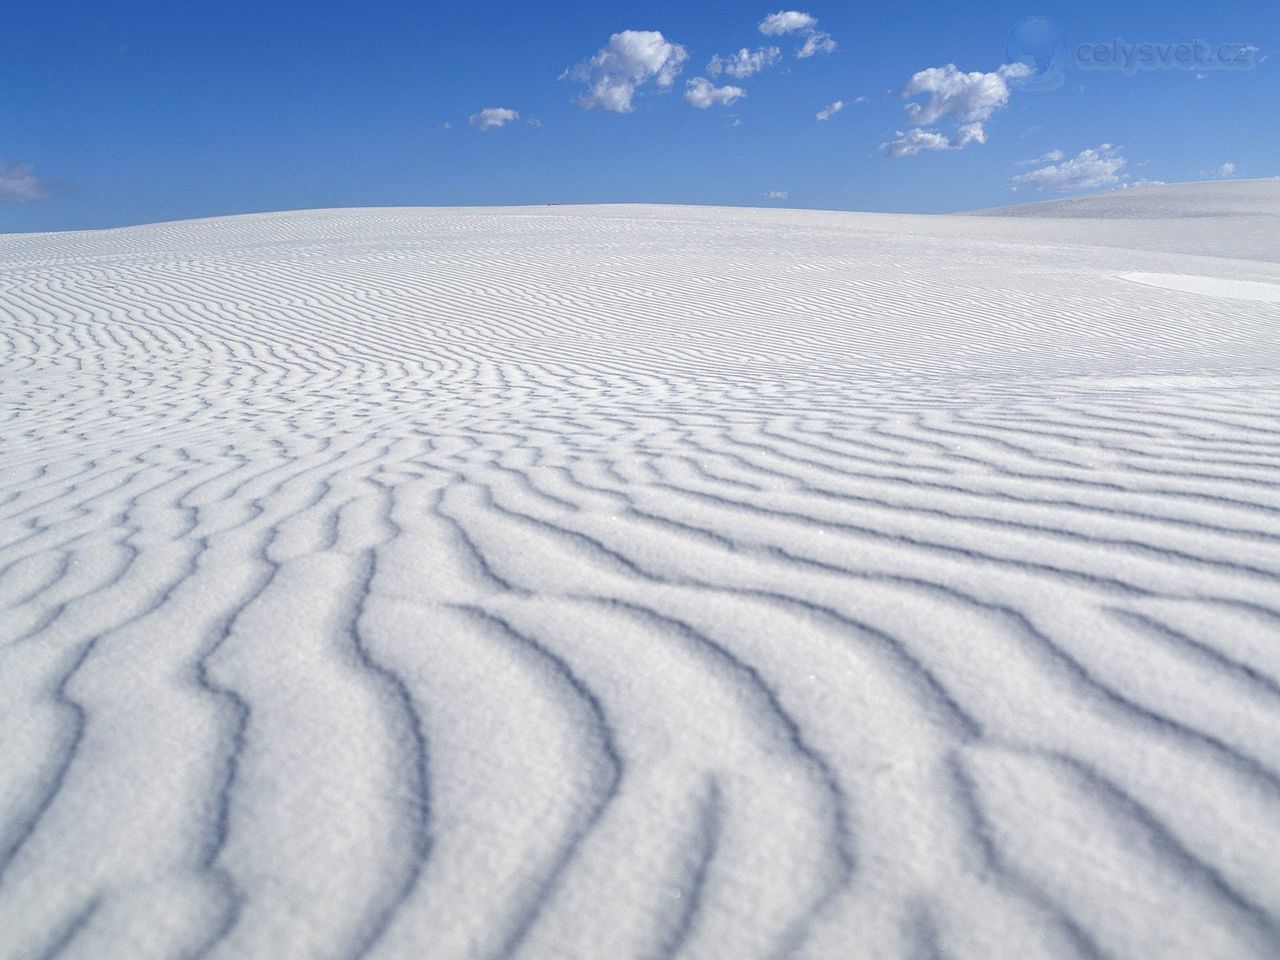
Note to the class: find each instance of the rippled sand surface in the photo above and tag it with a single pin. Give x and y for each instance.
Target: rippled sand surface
(613, 582)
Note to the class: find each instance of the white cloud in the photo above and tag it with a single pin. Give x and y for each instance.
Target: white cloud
(918, 140)
(967, 134)
(491, 118)
(1228, 169)
(786, 21)
(831, 109)
(793, 21)
(744, 63)
(911, 142)
(631, 59)
(969, 97)
(817, 43)
(702, 93)
(19, 183)
(1053, 156)
(1087, 170)
(776, 195)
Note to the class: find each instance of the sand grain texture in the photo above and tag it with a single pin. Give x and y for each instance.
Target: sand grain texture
(642, 582)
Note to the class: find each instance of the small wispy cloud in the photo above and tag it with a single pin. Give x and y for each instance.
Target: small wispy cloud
(786, 21)
(1228, 169)
(794, 21)
(702, 93)
(492, 118)
(744, 63)
(1053, 156)
(631, 59)
(917, 140)
(1088, 170)
(830, 110)
(816, 43)
(776, 195)
(19, 183)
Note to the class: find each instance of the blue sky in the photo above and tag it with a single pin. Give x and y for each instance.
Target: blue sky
(118, 112)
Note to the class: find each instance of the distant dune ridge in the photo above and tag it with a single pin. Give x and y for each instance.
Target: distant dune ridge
(638, 582)
(1237, 219)
(1218, 199)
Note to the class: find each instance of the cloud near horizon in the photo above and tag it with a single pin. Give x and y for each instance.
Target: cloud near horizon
(631, 59)
(1087, 170)
(491, 118)
(19, 184)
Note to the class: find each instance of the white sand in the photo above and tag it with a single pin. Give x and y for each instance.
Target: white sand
(628, 582)
(1210, 286)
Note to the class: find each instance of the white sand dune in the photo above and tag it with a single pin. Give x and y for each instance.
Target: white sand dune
(639, 582)
(1239, 219)
(1210, 286)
